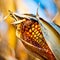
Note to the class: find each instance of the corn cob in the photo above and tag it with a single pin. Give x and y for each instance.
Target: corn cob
(30, 33)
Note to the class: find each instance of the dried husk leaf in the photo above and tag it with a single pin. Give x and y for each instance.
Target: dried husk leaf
(52, 37)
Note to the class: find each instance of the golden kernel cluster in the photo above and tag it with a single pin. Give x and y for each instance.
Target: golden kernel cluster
(32, 33)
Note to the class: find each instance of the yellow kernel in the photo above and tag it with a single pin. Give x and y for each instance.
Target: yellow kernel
(36, 26)
(37, 32)
(41, 36)
(34, 35)
(30, 30)
(36, 40)
(39, 40)
(33, 25)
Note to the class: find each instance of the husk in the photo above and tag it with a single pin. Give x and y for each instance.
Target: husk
(52, 37)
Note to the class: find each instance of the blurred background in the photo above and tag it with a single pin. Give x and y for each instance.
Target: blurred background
(49, 10)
